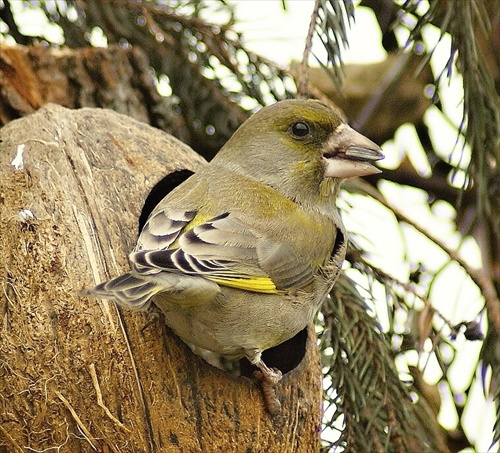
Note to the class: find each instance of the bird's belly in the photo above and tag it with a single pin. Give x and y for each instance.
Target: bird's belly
(236, 321)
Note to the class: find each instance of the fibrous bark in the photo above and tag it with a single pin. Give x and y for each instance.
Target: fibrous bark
(78, 373)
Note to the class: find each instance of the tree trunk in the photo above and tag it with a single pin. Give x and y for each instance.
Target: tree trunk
(79, 374)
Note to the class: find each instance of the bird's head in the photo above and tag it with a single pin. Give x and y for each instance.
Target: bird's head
(298, 145)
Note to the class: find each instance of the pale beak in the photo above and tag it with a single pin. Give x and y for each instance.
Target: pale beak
(350, 154)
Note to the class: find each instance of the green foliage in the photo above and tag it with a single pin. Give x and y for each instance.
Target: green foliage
(332, 23)
(373, 407)
(468, 23)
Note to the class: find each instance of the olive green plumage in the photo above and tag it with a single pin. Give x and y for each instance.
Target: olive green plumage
(240, 256)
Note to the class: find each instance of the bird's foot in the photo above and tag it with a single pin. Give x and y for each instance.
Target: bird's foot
(268, 378)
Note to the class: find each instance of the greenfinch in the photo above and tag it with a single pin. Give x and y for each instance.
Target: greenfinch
(240, 256)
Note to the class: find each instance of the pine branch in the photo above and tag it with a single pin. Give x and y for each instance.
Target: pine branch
(302, 78)
(478, 276)
(366, 390)
(333, 18)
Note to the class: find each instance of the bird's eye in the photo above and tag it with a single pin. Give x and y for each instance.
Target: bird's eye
(300, 129)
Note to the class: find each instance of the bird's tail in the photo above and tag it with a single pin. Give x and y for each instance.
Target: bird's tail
(128, 290)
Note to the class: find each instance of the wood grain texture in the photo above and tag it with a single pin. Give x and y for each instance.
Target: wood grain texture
(80, 374)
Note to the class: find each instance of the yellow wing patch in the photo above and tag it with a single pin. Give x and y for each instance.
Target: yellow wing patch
(199, 219)
(255, 284)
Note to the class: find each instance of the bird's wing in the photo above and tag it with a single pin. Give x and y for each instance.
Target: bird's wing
(222, 249)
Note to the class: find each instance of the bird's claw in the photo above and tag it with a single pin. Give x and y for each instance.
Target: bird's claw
(268, 378)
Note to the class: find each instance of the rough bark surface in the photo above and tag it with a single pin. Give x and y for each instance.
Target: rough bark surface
(80, 375)
(115, 78)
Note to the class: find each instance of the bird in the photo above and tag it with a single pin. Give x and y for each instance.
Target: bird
(240, 256)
